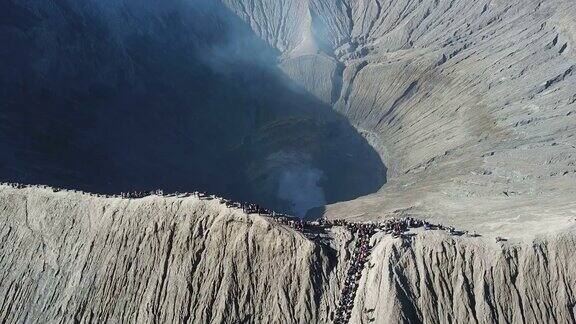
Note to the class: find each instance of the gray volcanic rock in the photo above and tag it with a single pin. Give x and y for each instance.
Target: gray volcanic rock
(444, 279)
(68, 256)
(470, 105)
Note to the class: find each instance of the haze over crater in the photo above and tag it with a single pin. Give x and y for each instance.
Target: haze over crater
(111, 96)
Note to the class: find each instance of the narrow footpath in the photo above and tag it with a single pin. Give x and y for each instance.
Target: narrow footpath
(359, 257)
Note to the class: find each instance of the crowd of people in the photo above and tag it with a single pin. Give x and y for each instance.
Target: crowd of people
(396, 227)
(141, 194)
(393, 226)
(249, 208)
(17, 185)
(356, 263)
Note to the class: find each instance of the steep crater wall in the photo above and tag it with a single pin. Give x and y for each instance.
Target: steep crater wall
(469, 103)
(110, 97)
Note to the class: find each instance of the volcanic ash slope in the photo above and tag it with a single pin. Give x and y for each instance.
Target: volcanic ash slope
(69, 256)
(472, 104)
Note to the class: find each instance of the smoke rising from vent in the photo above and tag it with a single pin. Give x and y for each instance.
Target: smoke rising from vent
(298, 182)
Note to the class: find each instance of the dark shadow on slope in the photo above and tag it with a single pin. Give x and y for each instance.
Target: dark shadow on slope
(184, 99)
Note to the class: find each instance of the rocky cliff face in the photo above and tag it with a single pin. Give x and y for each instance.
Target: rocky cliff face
(470, 105)
(440, 278)
(73, 257)
(70, 256)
